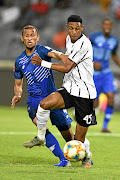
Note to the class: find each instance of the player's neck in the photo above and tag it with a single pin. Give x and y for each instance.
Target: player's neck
(29, 51)
(107, 35)
(73, 41)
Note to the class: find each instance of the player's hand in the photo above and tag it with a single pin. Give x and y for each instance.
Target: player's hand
(97, 66)
(61, 56)
(36, 60)
(64, 58)
(15, 100)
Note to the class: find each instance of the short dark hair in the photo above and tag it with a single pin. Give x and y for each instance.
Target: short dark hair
(28, 27)
(74, 18)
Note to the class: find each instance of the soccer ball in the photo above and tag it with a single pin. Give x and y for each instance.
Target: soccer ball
(74, 150)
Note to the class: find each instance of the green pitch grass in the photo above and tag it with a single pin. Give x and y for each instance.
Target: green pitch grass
(19, 163)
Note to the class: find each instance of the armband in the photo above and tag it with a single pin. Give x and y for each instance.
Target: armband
(46, 64)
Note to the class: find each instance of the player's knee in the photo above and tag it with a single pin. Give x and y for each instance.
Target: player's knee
(110, 101)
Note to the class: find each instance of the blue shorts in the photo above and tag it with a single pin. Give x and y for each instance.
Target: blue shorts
(104, 83)
(58, 117)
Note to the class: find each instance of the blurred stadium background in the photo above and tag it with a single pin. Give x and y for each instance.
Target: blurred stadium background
(50, 21)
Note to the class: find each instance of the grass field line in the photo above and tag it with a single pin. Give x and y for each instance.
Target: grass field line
(58, 134)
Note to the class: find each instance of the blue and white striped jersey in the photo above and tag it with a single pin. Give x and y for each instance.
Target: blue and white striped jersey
(39, 79)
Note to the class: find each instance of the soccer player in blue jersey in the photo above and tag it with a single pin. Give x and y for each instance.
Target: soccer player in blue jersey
(40, 84)
(105, 45)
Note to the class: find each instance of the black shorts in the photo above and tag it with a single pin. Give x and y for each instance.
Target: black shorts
(84, 108)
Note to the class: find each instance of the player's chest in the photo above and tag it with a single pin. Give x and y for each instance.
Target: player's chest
(108, 44)
(72, 48)
(26, 66)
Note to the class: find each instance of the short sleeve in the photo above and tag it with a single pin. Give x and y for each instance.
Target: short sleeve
(45, 50)
(17, 71)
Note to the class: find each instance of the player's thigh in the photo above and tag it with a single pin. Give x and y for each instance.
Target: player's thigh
(108, 84)
(98, 85)
(53, 101)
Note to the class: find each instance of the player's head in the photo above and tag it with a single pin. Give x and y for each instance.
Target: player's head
(107, 26)
(74, 27)
(30, 36)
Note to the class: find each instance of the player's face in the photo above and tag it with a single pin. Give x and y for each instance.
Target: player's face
(107, 27)
(74, 30)
(30, 38)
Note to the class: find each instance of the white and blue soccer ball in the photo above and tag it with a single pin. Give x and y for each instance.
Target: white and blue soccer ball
(74, 150)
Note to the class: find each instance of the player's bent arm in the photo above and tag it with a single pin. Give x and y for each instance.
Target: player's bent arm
(62, 67)
(116, 59)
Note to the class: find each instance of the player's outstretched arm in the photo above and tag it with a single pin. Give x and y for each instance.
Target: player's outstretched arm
(18, 92)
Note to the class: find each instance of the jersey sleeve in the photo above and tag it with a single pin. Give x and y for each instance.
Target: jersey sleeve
(45, 50)
(17, 71)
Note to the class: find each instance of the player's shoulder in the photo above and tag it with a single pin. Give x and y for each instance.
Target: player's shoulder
(84, 38)
(43, 47)
(115, 38)
(20, 56)
(95, 34)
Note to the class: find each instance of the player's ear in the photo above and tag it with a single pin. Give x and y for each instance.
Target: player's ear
(82, 27)
(22, 38)
(67, 26)
(38, 38)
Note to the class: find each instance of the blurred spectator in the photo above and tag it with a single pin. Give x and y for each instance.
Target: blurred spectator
(104, 4)
(116, 8)
(40, 7)
(59, 39)
(34, 10)
(10, 13)
(62, 3)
